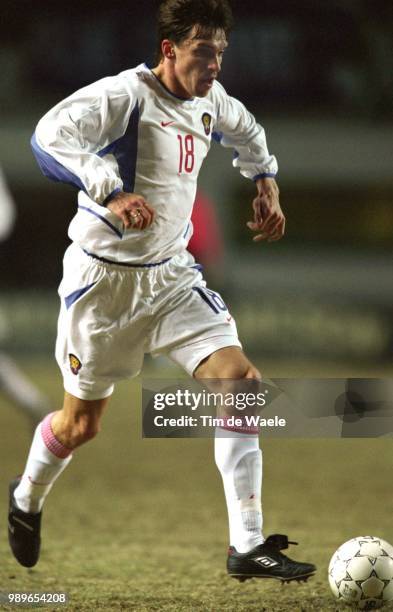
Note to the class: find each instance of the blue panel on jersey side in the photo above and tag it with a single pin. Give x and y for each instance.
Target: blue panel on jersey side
(125, 150)
(75, 295)
(52, 168)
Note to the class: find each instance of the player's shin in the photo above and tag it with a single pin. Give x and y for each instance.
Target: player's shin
(46, 461)
(239, 460)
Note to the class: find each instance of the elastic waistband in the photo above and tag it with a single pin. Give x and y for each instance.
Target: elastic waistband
(124, 264)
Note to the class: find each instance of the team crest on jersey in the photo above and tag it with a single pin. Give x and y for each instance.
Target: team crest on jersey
(75, 363)
(206, 120)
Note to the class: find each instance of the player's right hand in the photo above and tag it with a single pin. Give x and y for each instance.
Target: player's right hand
(132, 209)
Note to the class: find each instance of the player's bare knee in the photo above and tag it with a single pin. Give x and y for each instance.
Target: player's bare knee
(227, 363)
(238, 370)
(234, 371)
(73, 431)
(242, 371)
(78, 435)
(86, 428)
(253, 373)
(78, 421)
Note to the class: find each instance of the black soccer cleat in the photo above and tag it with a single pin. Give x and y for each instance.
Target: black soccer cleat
(266, 561)
(23, 531)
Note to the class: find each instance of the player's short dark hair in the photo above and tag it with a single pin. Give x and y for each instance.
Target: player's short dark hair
(176, 18)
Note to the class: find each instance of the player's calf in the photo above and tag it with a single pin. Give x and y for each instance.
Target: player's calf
(79, 420)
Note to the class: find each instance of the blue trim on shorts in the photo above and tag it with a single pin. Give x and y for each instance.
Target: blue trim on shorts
(108, 223)
(198, 267)
(123, 263)
(206, 299)
(75, 295)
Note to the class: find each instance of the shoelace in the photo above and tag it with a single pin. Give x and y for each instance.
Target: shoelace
(279, 541)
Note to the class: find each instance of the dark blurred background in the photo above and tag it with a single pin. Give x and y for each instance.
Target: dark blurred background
(319, 77)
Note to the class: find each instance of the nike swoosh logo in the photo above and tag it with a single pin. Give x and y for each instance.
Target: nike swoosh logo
(229, 319)
(166, 123)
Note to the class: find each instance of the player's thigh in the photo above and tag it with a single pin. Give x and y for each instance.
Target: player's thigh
(194, 323)
(101, 331)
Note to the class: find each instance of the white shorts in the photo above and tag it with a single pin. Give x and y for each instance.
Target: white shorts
(111, 315)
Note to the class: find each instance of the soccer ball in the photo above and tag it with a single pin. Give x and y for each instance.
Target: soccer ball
(361, 572)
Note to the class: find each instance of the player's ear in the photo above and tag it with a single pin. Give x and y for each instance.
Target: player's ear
(167, 49)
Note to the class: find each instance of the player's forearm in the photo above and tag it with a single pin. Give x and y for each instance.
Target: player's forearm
(240, 131)
(253, 158)
(266, 185)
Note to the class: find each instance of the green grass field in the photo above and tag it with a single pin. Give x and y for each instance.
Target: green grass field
(136, 524)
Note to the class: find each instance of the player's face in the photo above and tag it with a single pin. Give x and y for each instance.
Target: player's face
(198, 62)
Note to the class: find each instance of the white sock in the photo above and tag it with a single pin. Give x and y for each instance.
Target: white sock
(239, 460)
(46, 461)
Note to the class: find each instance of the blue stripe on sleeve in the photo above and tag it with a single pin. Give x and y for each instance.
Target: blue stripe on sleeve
(217, 136)
(264, 175)
(52, 168)
(110, 196)
(124, 149)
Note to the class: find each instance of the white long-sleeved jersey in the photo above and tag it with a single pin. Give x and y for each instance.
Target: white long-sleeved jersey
(128, 132)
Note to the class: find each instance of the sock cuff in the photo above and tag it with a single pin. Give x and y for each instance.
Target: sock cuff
(239, 425)
(50, 440)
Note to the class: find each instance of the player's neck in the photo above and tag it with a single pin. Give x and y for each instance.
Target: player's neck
(168, 78)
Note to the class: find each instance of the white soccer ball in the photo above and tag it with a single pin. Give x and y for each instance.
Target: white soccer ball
(361, 572)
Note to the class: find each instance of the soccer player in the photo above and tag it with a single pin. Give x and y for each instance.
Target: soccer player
(133, 145)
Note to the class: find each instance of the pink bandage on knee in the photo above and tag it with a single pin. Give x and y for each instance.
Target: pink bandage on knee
(50, 440)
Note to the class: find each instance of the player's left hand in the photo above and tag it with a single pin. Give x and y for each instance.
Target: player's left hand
(269, 220)
(132, 209)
